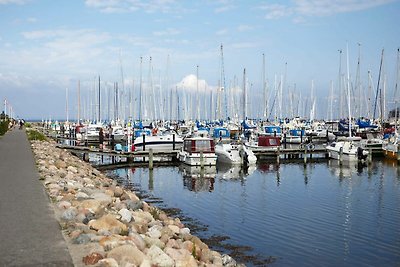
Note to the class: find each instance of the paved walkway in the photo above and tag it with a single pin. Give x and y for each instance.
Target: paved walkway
(29, 232)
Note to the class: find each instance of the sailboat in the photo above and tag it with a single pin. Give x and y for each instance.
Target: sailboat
(346, 149)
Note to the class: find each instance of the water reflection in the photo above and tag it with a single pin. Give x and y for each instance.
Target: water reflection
(198, 179)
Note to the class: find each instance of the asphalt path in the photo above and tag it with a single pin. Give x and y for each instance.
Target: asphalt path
(29, 232)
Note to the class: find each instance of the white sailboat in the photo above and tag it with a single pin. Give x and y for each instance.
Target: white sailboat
(346, 150)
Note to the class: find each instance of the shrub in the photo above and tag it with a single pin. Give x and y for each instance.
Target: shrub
(4, 126)
(35, 135)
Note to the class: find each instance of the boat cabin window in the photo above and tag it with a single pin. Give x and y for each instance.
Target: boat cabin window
(192, 146)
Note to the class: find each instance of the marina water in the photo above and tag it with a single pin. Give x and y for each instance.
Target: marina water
(319, 214)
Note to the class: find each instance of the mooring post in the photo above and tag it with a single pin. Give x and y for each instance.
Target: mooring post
(370, 156)
(150, 158)
(341, 156)
(284, 140)
(144, 142)
(305, 155)
(201, 159)
(173, 142)
(278, 153)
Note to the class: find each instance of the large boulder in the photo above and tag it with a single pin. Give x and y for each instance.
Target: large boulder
(110, 223)
(127, 254)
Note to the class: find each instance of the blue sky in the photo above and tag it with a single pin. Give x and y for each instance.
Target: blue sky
(47, 46)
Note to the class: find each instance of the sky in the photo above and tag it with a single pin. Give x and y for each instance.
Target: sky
(47, 46)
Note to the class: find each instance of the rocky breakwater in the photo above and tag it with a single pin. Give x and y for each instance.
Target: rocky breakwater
(107, 225)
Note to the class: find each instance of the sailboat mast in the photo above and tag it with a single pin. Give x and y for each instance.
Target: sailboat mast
(140, 90)
(348, 89)
(79, 101)
(99, 118)
(244, 94)
(66, 103)
(340, 85)
(378, 91)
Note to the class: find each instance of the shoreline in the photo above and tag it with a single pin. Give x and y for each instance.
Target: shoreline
(105, 224)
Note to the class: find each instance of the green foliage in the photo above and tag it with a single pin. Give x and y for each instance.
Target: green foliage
(28, 125)
(4, 126)
(35, 135)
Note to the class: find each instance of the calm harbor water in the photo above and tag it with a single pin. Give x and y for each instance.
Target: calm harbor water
(287, 215)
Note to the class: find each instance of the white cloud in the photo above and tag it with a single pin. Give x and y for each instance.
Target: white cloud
(244, 28)
(17, 2)
(124, 6)
(169, 31)
(189, 83)
(302, 8)
(222, 32)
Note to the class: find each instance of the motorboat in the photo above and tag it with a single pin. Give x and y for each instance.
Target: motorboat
(198, 151)
(346, 151)
(92, 133)
(235, 154)
(159, 143)
(264, 143)
(118, 133)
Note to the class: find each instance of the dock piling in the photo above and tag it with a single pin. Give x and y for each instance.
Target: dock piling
(201, 159)
(150, 158)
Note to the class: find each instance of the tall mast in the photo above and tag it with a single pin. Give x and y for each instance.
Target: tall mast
(340, 85)
(348, 88)
(197, 93)
(264, 88)
(378, 90)
(66, 103)
(79, 101)
(99, 117)
(222, 80)
(140, 90)
(244, 94)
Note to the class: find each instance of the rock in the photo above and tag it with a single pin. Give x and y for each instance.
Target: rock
(175, 229)
(111, 242)
(102, 197)
(72, 169)
(92, 258)
(134, 205)
(60, 164)
(182, 257)
(127, 254)
(69, 214)
(172, 243)
(228, 260)
(138, 240)
(81, 239)
(93, 205)
(108, 262)
(153, 242)
(118, 191)
(126, 215)
(159, 257)
(110, 223)
(64, 205)
(155, 231)
(184, 231)
(81, 195)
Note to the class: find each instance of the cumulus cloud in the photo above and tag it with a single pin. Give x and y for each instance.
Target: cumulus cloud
(189, 83)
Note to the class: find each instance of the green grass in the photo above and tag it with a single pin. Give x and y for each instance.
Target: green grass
(35, 135)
